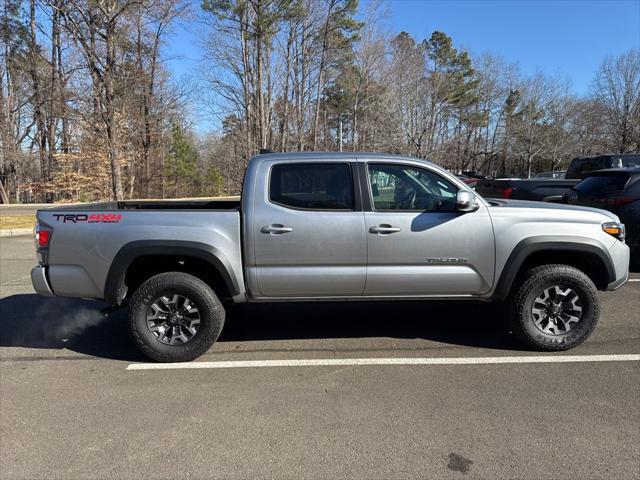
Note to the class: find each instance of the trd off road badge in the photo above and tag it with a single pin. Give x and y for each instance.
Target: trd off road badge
(92, 218)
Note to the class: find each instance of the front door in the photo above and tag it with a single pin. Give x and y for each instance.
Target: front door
(310, 238)
(418, 243)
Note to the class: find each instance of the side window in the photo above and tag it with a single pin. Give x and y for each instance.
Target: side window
(403, 187)
(312, 186)
(574, 169)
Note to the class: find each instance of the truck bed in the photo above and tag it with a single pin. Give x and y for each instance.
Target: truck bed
(533, 189)
(87, 239)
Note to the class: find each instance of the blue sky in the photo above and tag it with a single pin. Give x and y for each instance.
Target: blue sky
(566, 38)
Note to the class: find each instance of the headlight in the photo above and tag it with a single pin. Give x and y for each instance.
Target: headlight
(614, 229)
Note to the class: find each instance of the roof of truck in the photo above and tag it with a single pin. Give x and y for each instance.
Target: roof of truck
(629, 170)
(316, 156)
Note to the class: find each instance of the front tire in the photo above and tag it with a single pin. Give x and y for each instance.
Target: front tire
(554, 308)
(175, 317)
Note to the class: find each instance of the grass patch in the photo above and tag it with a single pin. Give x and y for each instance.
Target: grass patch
(12, 222)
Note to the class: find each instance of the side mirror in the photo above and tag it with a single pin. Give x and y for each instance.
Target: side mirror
(466, 201)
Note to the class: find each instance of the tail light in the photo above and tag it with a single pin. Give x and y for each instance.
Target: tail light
(506, 192)
(43, 236)
(621, 200)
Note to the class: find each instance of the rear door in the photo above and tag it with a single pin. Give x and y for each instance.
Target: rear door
(418, 243)
(309, 238)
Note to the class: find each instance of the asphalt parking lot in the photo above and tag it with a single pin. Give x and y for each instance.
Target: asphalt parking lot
(70, 408)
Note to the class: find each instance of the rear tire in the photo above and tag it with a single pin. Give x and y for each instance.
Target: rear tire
(554, 308)
(175, 317)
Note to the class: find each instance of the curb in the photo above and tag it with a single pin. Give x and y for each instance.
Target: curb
(17, 232)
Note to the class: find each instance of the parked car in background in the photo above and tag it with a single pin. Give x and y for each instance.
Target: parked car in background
(579, 167)
(471, 182)
(472, 174)
(618, 191)
(560, 174)
(552, 189)
(541, 189)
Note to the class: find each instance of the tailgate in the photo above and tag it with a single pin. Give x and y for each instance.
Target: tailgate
(525, 189)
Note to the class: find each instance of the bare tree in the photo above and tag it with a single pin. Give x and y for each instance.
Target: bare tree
(617, 88)
(88, 110)
(95, 27)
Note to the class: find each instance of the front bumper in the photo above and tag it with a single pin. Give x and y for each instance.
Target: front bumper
(40, 282)
(618, 283)
(620, 257)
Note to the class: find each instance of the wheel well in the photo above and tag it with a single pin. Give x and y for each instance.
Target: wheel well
(144, 267)
(589, 263)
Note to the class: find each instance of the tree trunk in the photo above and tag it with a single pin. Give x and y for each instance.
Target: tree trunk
(41, 135)
(4, 198)
(54, 90)
(112, 131)
(247, 97)
(6, 139)
(323, 53)
(284, 124)
(259, 74)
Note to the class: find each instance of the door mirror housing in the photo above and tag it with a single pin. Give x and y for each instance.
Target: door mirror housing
(466, 201)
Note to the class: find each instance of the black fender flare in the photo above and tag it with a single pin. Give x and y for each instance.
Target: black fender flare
(115, 289)
(532, 245)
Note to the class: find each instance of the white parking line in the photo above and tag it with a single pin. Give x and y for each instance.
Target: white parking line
(326, 362)
(634, 279)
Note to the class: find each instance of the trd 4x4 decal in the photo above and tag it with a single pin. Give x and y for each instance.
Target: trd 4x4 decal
(92, 218)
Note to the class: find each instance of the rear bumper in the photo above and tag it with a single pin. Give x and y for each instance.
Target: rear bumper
(40, 282)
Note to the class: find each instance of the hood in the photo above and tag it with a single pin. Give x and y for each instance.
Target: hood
(560, 207)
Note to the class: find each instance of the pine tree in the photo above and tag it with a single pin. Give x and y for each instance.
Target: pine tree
(181, 167)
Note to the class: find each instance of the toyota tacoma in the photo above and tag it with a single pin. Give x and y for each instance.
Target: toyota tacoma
(332, 226)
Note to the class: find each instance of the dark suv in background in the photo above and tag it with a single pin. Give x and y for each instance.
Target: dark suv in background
(618, 191)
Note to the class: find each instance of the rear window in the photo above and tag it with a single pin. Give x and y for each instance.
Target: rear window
(604, 185)
(574, 169)
(312, 186)
(633, 161)
(581, 166)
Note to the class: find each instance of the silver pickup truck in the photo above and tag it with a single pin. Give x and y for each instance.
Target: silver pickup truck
(332, 226)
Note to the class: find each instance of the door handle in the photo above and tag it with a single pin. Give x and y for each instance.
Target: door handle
(276, 229)
(383, 229)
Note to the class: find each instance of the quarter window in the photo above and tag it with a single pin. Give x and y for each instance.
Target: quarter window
(312, 186)
(408, 188)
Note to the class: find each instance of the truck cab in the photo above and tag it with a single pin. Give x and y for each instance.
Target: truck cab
(348, 226)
